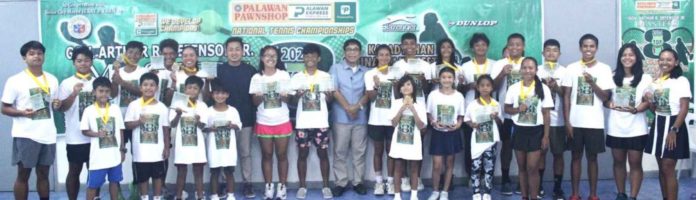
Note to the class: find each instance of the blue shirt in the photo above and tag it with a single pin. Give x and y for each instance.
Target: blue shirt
(352, 87)
(236, 80)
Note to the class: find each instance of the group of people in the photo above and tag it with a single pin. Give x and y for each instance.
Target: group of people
(528, 106)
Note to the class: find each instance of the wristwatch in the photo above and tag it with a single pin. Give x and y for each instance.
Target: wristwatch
(124, 150)
(675, 129)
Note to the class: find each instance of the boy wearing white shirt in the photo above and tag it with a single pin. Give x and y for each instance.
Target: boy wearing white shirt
(124, 79)
(27, 99)
(223, 123)
(75, 95)
(104, 124)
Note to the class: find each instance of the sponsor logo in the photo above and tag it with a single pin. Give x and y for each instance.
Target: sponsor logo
(658, 5)
(400, 24)
(79, 27)
(146, 24)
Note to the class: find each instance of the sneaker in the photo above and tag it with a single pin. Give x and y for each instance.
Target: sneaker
(338, 191)
(201, 196)
(405, 184)
(360, 189)
(249, 191)
(506, 189)
(281, 191)
(621, 196)
(379, 189)
(326, 192)
(214, 197)
(574, 197)
(444, 195)
(414, 195)
(184, 195)
(558, 195)
(518, 190)
(390, 188)
(302, 193)
(476, 197)
(434, 195)
(541, 192)
(420, 185)
(397, 196)
(230, 197)
(268, 195)
(486, 197)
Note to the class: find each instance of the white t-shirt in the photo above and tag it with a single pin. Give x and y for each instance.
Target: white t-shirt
(558, 73)
(105, 151)
(73, 134)
(124, 98)
(512, 78)
(445, 108)
(18, 91)
(588, 112)
(533, 115)
(667, 100)
(380, 108)
(407, 143)
(148, 138)
(222, 144)
(471, 73)
(189, 143)
(626, 124)
(486, 135)
(164, 83)
(414, 68)
(272, 111)
(312, 111)
(435, 73)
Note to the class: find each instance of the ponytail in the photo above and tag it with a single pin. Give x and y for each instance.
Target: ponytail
(538, 88)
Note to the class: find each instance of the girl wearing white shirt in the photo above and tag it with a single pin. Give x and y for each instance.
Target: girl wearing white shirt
(190, 67)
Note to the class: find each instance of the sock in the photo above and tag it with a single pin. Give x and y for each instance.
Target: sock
(390, 179)
(506, 175)
(144, 197)
(541, 177)
(557, 179)
(414, 192)
(230, 194)
(214, 196)
(378, 179)
(159, 198)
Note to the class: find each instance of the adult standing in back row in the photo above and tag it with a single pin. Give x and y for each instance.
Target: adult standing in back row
(235, 77)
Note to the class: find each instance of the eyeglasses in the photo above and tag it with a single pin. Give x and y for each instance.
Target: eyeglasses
(355, 49)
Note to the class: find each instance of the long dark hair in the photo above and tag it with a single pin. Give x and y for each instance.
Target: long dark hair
(438, 46)
(480, 79)
(380, 47)
(538, 88)
(636, 69)
(279, 64)
(401, 83)
(677, 70)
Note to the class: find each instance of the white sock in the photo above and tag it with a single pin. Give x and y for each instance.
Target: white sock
(157, 198)
(390, 179)
(414, 192)
(378, 179)
(214, 196)
(144, 197)
(230, 194)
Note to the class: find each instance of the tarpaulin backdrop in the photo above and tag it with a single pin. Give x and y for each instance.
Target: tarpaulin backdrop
(107, 25)
(654, 25)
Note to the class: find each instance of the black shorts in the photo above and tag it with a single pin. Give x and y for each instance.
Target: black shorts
(592, 140)
(380, 133)
(631, 143)
(78, 153)
(527, 138)
(142, 172)
(558, 139)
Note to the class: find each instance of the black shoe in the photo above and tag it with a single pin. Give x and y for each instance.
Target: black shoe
(621, 196)
(248, 191)
(360, 189)
(558, 195)
(541, 192)
(518, 190)
(506, 189)
(338, 191)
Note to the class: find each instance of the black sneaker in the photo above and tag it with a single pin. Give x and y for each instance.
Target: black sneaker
(360, 189)
(541, 192)
(518, 190)
(506, 189)
(558, 195)
(248, 191)
(621, 196)
(338, 191)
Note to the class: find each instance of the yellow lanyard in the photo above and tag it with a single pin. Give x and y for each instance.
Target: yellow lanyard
(190, 69)
(43, 86)
(311, 81)
(662, 80)
(449, 65)
(584, 64)
(523, 92)
(516, 62)
(492, 103)
(105, 114)
(552, 65)
(191, 104)
(382, 68)
(481, 69)
(83, 76)
(144, 102)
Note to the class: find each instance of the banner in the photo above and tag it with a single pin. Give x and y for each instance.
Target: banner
(107, 25)
(654, 25)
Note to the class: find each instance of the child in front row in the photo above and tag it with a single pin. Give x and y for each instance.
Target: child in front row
(483, 115)
(104, 124)
(223, 122)
(189, 146)
(147, 117)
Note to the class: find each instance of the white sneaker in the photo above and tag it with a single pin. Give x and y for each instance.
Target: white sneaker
(144, 197)
(326, 192)
(420, 185)
(281, 191)
(476, 197)
(269, 191)
(434, 195)
(214, 197)
(302, 193)
(405, 184)
(379, 189)
(196, 193)
(486, 197)
(414, 194)
(444, 196)
(397, 196)
(230, 196)
(184, 194)
(390, 188)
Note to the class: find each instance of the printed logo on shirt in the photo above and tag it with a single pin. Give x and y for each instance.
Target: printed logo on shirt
(585, 96)
(109, 140)
(484, 133)
(222, 134)
(86, 99)
(311, 100)
(661, 98)
(188, 131)
(127, 97)
(529, 116)
(445, 115)
(406, 128)
(384, 94)
(148, 130)
(625, 96)
(271, 97)
(44, 113)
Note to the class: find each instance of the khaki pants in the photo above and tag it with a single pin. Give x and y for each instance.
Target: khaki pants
(349, 139)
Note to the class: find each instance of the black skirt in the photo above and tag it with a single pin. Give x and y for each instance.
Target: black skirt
(445, 143)
(657, 138)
